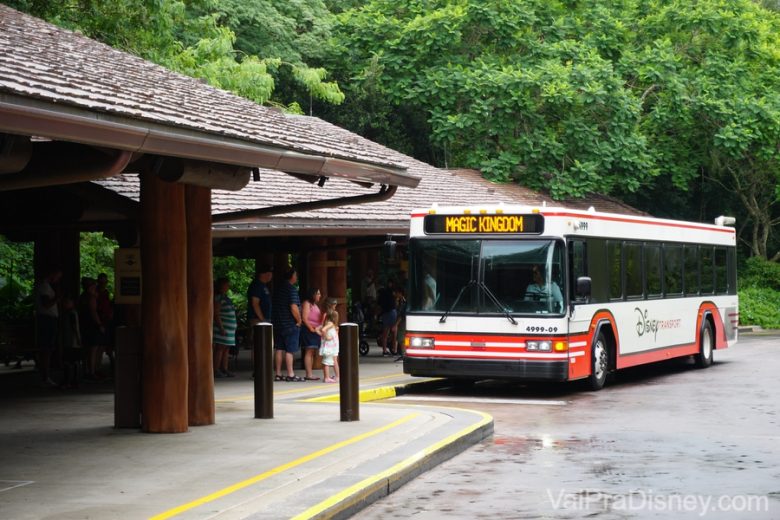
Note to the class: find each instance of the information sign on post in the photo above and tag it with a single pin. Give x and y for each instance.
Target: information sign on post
(127, 269)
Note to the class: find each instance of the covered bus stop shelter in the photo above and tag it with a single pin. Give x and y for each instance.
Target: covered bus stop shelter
(73, 111)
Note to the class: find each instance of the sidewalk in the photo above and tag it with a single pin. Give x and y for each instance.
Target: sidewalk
(62, 459)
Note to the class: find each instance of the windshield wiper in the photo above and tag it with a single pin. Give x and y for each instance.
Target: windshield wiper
(497, 302)
(455, 303)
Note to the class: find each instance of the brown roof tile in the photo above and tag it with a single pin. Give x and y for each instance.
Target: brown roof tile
(41, 61)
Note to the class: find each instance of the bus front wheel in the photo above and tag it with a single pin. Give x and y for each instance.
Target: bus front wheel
(706, 340)
(599, 363)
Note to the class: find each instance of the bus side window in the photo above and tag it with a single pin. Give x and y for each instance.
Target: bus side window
(691, 270)
(707, 271)
(598, 270)
(673, 266)
(721, 271)
(578, 265)
(653, 270)
(615, 258)
(732, 270)
(632, 252)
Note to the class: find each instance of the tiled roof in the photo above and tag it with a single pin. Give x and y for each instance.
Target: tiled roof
(43, 62)
(445, 187)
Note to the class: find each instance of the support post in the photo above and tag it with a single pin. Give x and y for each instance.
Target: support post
(164, 306)
(349, 382)
(264, 370)
(200, 307)
(127, 379)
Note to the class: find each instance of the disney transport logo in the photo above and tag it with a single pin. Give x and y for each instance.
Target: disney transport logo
(645, 325)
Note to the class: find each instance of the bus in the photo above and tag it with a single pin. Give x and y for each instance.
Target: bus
(554, 294)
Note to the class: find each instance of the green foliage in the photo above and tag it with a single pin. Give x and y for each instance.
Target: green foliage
(759, 306)
(758, 272)
(240, 272)
(759, 294)
(197, 38)
(289, 33)
(16, 279)
(596, 96)
(97, 255)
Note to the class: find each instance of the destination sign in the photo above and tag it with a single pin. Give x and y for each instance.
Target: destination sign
(490, 224)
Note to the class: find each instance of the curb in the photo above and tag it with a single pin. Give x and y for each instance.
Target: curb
(383, 392)
(364, 493)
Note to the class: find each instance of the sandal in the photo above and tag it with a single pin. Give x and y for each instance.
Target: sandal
(278, 378)
(311, 378)
(294, 379)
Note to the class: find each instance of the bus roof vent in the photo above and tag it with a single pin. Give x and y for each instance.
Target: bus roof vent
(725, 221)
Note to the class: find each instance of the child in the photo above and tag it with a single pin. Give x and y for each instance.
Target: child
(329, 349)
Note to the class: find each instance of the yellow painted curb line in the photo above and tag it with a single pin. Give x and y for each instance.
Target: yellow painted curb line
(369, 394)
(279, 469)
(363, 489)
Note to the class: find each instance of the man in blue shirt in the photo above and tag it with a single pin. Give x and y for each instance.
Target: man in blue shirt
(258, 297)
(258, 303)
(286, 318)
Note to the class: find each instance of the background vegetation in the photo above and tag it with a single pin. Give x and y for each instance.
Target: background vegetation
(673, 106)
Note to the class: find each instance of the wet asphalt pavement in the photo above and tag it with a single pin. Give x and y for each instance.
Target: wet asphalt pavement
(663, 441)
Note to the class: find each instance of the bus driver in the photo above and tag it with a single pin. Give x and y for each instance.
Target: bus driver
(539, 291)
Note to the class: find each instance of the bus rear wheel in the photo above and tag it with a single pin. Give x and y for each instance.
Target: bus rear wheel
(706, 339)
(599, 363)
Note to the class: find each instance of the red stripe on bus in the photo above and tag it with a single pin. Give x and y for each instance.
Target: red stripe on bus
(636, 221)
(640, 358)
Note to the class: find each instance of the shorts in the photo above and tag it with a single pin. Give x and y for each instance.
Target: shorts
(389, 318)
(287, 340)
(309, 339)
(329, 360)
(46, 329)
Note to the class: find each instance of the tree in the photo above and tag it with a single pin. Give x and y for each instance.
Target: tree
(578, 97)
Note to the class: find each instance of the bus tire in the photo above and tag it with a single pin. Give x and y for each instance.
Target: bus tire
(599, 363)
(706, 343)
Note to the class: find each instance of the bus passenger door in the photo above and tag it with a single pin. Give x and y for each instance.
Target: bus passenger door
(578, 266)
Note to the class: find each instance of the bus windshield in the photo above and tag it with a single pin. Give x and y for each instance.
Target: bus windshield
(470, 276)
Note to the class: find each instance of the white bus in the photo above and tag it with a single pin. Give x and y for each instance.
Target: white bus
(554, 294)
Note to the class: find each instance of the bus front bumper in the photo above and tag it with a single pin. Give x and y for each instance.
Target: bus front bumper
(526, 370)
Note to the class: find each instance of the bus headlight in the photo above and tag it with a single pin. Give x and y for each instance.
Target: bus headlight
(418, 342)
(542, 346)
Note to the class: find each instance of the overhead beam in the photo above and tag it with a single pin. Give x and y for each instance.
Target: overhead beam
(25, 116)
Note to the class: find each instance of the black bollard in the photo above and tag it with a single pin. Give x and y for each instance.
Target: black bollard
(349, 383)
(264, 370)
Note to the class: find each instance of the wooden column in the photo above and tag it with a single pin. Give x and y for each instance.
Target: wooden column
(164, 306)
(337, 275)
(200, 306)
(317, 275)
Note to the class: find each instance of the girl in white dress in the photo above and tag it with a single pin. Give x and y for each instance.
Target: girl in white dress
(329, 349)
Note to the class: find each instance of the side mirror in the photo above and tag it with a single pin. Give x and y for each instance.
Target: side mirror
(390, 246)
(584, 286)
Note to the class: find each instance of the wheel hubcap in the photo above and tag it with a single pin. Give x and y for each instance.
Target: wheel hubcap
(706, 344)
(599, 360)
